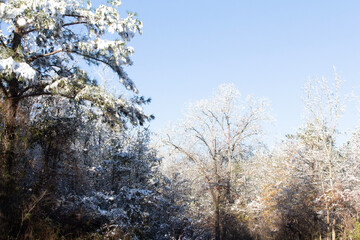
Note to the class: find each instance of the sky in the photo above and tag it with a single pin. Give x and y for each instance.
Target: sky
(266, 48)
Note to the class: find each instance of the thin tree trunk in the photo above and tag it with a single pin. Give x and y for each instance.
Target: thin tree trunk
(327, 208)
(217, 220)
(217, 200)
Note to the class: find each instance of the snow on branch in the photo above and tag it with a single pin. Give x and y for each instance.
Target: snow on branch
(22, 70)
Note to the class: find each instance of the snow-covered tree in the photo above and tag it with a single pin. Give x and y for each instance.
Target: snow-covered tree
(324, 108)
(302, 193)
(46, 43)
(215, 136)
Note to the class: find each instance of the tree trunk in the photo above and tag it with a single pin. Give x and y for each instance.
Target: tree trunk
(216, 200)
(215, 194)
(8, 158)
(333, 233)
(9, 139)
(217, 221)
(327, 222)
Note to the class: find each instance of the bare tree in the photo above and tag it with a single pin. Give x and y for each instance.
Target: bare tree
(323, 108)
(215, 134)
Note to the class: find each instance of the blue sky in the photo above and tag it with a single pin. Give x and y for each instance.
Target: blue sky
(266, 48)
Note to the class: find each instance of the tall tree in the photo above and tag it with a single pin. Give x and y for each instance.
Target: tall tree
(324, 108)
(215, 134)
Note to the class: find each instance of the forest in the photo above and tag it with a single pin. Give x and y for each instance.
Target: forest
(80, 162)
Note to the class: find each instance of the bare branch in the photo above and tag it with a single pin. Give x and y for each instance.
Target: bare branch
(3, 43)
(45, 55)
(191, 157)
(202, 139)
(91, 57)
(74, 23)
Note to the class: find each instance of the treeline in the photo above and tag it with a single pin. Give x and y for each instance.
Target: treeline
(305, 187)
(74, 176)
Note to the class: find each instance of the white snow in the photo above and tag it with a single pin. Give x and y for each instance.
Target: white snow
(23, 70)
(21, 22)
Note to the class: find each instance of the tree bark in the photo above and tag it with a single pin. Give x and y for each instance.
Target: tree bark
(8, 184)
(10, 134)
(333, 233)
(217, 200)
(217, 219)
(215, 194)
